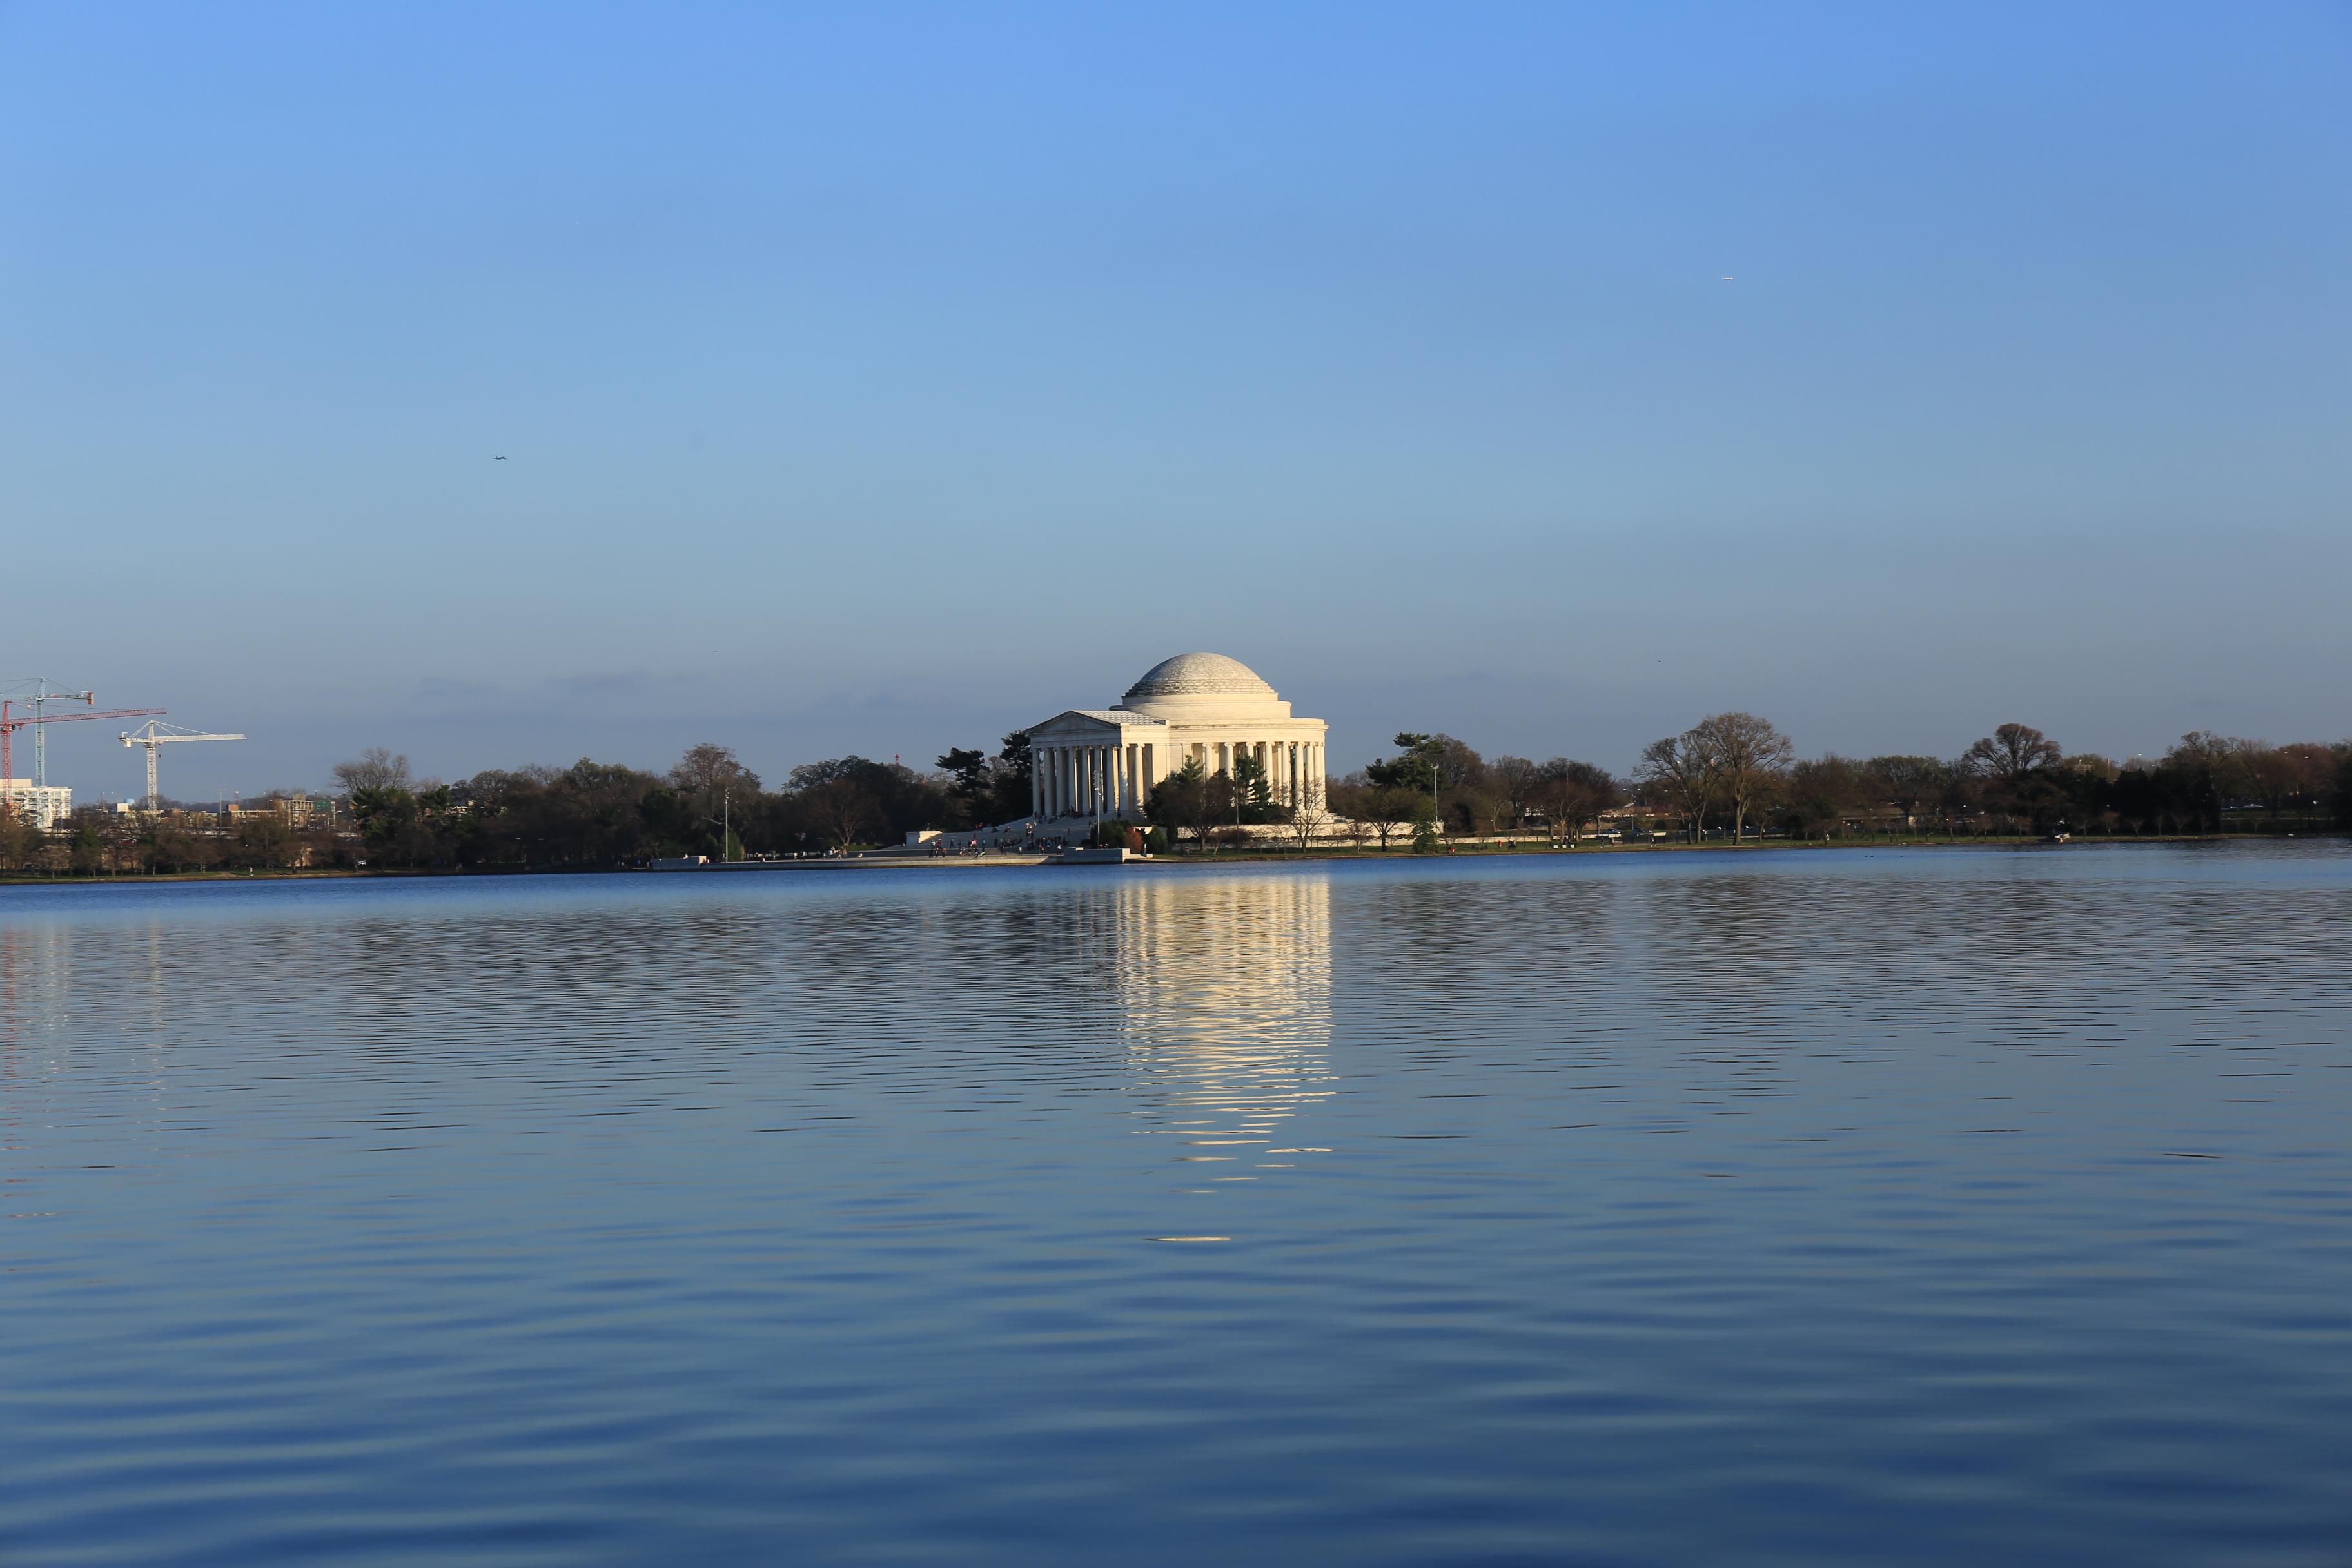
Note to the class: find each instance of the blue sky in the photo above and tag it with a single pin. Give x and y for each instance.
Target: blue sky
(880, 379)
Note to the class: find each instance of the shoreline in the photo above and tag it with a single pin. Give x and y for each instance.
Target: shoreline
(884, 862)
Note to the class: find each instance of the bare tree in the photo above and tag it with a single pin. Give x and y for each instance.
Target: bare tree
(1680, 770)
(1395, 806)
(375, 768)
(2212, 770)
(1515, 781)
(1348, 801)
(2011, 753)
(708, 771)
(1573, 794)
(2015, 769)
(1310, 819)
(843, 809)
(1751, 759)
(1908, 782)
(2299, 772)
(1822, 795)
(20, 842)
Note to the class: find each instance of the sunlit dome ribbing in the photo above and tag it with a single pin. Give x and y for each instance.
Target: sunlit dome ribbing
(1198, 674)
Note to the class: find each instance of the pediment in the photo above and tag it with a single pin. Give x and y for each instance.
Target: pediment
(1088, 725)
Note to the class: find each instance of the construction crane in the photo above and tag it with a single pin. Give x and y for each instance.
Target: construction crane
(41, 694)
(154, 736)
(11, 721)
(38, 690)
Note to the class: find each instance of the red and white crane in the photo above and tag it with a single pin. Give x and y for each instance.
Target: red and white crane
(11, 721)
(35, 693)
(154, 736)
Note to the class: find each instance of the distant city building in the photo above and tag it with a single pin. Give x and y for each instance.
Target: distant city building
(42, 805)
(1104, 762)
(299, 811)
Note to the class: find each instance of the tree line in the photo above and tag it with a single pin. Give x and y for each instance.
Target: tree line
(1731, 775)
(590, 813)
(1734, 774)
(708, 803)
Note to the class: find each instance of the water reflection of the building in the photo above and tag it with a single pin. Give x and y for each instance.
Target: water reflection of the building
(1224, 989)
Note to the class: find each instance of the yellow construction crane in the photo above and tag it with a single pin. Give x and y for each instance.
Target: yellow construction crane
(154, 735)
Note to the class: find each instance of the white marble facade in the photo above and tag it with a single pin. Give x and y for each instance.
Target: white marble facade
(1095, 762)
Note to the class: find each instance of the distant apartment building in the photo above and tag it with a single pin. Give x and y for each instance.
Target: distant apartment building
(296, 810)
(310, 810)
(42, 805)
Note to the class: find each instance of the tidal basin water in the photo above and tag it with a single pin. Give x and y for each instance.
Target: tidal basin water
(1789, 1206)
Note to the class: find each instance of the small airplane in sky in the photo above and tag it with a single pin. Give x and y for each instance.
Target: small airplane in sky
(498, 458)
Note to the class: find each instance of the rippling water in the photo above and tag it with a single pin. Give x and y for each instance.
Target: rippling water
(1787, 1206)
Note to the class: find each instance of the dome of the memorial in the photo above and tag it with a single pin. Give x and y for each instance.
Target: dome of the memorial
(1200, 674)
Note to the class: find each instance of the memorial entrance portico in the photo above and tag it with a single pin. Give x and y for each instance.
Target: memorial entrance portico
(1095, 762)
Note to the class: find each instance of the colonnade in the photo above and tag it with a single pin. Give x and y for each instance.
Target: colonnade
(1292, 769)
(1111, 779)
(1089, 780)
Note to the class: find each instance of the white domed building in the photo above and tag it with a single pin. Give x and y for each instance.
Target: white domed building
(1091, 762)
